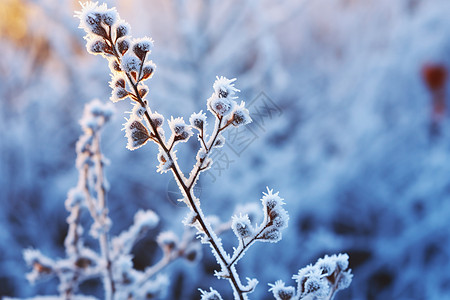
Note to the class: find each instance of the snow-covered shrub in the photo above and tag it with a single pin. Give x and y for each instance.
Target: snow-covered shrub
(113, 263)
(109, 36)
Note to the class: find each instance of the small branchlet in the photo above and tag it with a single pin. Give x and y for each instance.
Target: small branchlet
(320, 281)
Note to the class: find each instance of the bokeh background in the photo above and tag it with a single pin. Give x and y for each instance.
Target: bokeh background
(349, 99)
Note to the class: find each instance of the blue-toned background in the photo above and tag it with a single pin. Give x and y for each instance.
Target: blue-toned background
(349, 100)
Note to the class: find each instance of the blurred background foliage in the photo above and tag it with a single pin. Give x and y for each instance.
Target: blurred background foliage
(349, 99)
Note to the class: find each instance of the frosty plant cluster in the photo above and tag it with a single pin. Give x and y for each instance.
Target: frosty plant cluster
(113, 263)
(109, 36)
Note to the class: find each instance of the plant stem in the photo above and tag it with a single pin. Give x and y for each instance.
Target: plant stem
(101, 198)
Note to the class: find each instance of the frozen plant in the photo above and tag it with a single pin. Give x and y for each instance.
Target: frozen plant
(113, 263)
(109, 36)
(320, 281)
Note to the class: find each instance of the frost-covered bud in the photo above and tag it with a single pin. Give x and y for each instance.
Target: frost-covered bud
(100, 109)
(190, 219)
(75, 197)
(138, 111)
(341, 261)
(117, 81)
(109, 16)
(157, 118)
(90, 19)
(327, 264)
(302, 275)
(41, 264)
(279, 218)
(271, 200)
(219, 106)
(145, 219)
(180, 130)
(143, 91)
(168, 241)
(281, 292)
(211, 295)
(201, 154)
(123, 44)
(130, 63)
(345, 280)
(165, 163)
(118, 94)
(193, 253)
(198, 120)
(142, 46)
(315, 285)
(241, 226)
(114, 65)
(224, 87)
(123, 29)
(136, 133)
(219, 142)
(147, 70)
(95, 115)
(270, 234)
(96, 46)
(241, 115)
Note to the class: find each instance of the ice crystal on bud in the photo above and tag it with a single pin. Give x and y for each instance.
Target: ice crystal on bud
(143, 90)
(109, 16)
(95, 115)
(157, 118)
(281, 292)
(137, 111)
(145, 219)
(91, 18)
(270, 234)
(241, 226)
(211, 295)
(136, 133)
(314, 285)
(96, 46)
(241, 115)
(190, 219)
(114, 66)
(167, 240)
(198, 120)
(142, 46)
(41, 264)
(224, 87)
(165, 163)
(180, 130)
(147, 70)
(271, 200)
(117, 81)
(201, 154)
(122, 29)
(220, 141)
(219, 106)
(130, 63)
(118, 93)
(123, 44)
